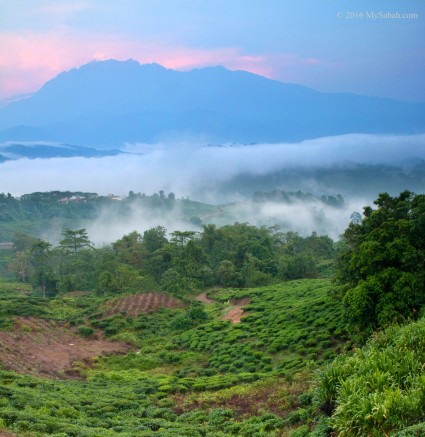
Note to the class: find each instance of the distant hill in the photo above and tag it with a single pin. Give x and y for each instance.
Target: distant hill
(108, 103)
(36, 150)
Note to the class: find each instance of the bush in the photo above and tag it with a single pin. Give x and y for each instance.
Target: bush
(380, 388)
(301, 431)
(85, 331)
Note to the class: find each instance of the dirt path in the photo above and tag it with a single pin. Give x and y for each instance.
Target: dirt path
(204, 299)
(47, 348)
(236, 313)
(4, 433)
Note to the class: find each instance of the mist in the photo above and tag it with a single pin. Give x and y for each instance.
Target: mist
(190, 169)
(303, 217)
(356, 166)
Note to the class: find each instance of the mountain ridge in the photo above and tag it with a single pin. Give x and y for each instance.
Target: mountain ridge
(108, 103)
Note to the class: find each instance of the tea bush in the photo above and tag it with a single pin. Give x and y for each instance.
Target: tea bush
(379, 388)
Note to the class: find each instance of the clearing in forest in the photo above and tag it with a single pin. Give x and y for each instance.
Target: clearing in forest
(47, 348)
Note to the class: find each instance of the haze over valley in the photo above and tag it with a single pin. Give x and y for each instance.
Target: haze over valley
(211, 135)
(212, 218)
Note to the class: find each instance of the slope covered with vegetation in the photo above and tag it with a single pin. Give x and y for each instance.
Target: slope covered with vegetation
(189, 369)
(231, 331)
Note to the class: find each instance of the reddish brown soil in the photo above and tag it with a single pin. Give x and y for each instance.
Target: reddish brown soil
(269, 398)
(236, 313)
(47, 348)
(204, 299)
(134, 304)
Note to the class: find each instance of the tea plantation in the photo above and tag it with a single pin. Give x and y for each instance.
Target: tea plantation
(285, 367)
(189, 372)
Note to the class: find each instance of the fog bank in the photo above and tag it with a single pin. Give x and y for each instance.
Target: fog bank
(356, 166)
(193, 170)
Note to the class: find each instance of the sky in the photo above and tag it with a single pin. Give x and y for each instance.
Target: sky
(370, 47)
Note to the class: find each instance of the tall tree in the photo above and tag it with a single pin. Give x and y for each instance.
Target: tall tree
(42, 270)
(381, 270)
(74, 241)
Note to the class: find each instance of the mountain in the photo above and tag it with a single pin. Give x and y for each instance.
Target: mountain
(108, 103)
(10, 151)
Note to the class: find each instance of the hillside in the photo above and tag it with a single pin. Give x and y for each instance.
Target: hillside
(230, 331)
(189, 372)
(10, 151)
(185, 368)
(46, 213)
(108, 103)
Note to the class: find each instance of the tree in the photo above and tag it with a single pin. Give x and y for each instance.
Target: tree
(22, 241)
(182, 237)
(118, 278)
(75, 240)
(154, 238)
(130, 249)
(381, 268)
(42, 271)
(21, 265)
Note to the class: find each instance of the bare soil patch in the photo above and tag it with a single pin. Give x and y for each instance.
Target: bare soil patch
(270, 397)
(47, 348)
(202, 297)
(236, 313)
(134, 304)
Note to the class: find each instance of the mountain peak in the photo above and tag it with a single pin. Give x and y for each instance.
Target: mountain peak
(107, 103)
(114, 65)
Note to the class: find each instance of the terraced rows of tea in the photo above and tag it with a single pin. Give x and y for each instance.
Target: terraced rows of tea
(286, 327)
(134, 304)
(188, 373)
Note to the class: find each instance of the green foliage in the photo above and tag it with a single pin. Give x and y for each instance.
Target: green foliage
(85, 331)
(236, 255)
(119, 278)
(17, 300)
(381, 264)
(411, 431)
(180, 352)
(74, 241)
(287, 327)
(192, 317)
(379, 388)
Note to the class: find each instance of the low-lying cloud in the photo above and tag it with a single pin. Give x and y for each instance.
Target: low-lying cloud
(189, 169)
(212, 174)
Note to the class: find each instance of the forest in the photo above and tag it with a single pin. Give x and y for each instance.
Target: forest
(233, 330)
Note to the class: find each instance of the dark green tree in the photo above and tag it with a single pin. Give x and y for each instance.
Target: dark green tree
(154, 238)
(74, 241)
(130, 249)
(42, 275)
(381, 268)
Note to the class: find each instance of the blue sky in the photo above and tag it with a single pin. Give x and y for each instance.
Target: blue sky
(358, 46)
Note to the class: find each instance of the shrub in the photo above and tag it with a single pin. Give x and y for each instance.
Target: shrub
(85, 331)
(380, 387)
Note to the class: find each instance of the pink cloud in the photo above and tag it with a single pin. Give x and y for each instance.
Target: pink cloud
(29, 59)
